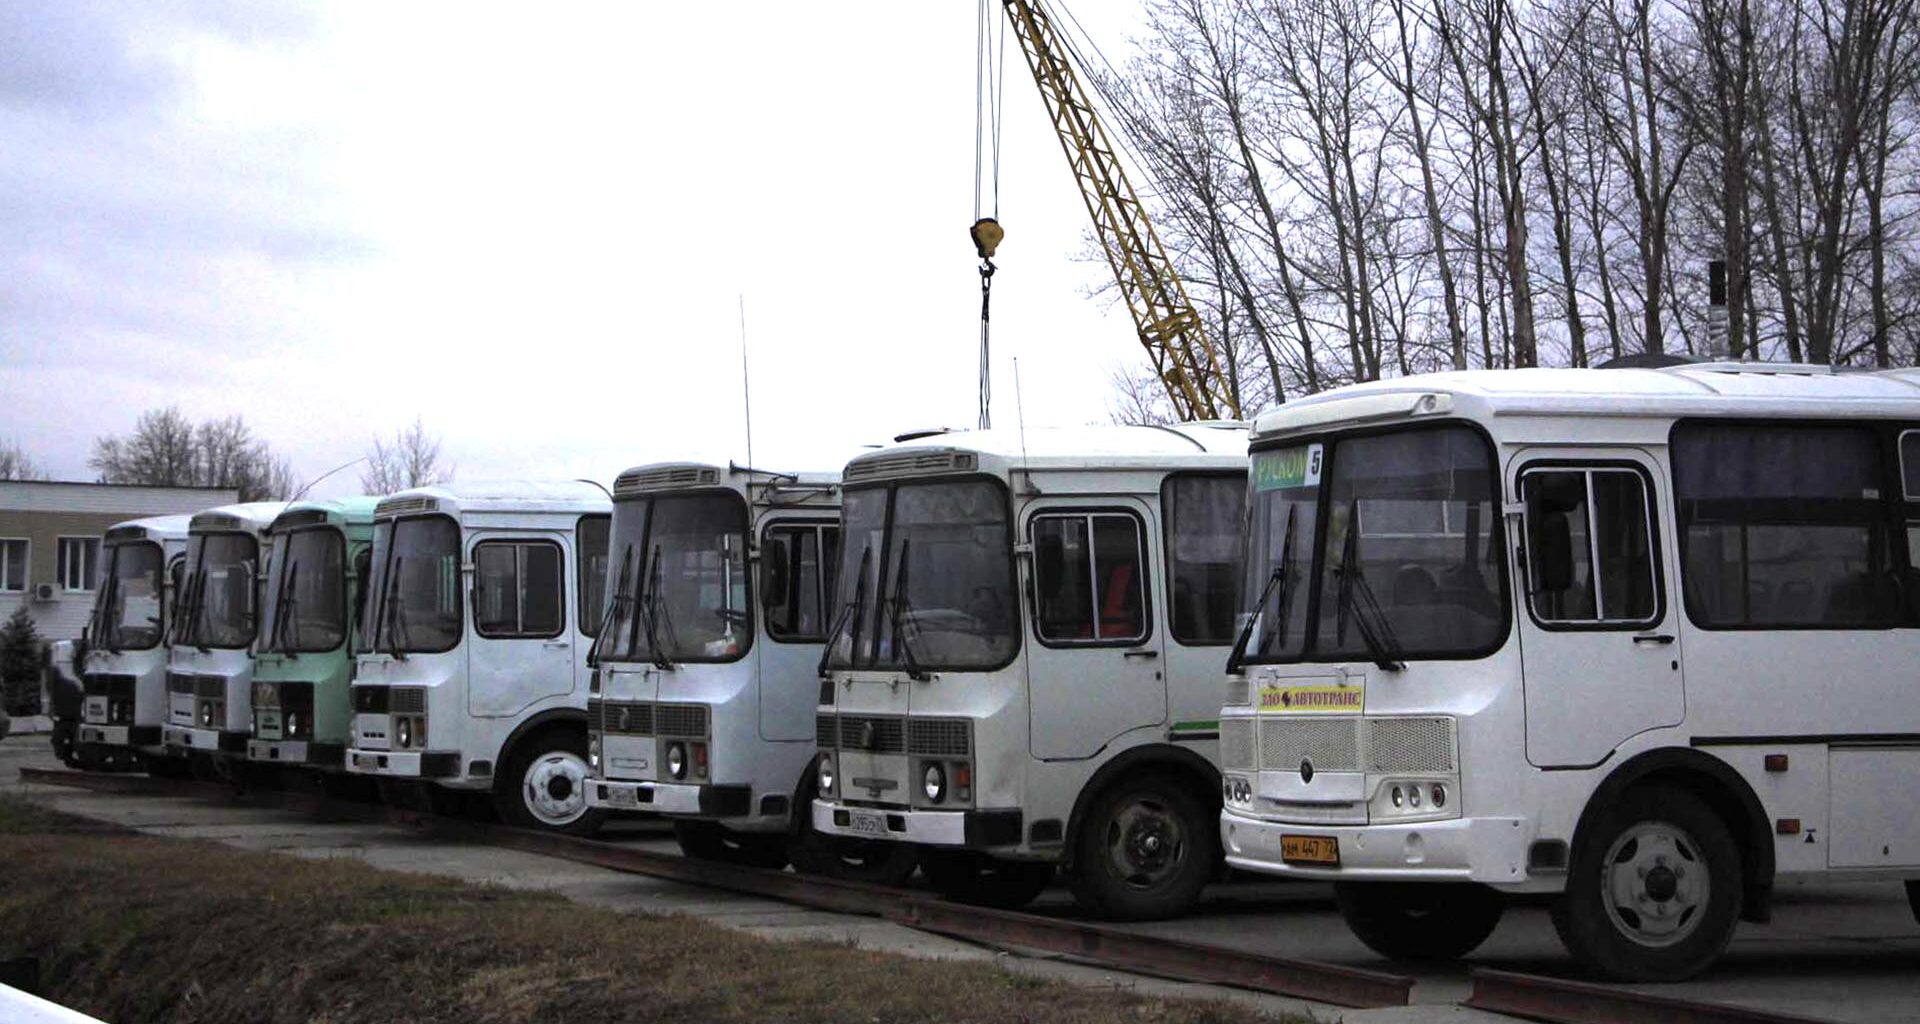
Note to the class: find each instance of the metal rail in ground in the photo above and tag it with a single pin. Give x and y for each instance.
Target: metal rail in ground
(1560, 1001)
(1173, 958)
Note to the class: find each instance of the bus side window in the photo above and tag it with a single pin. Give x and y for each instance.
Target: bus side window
(1910, 489)
(1589, 547)
(1088, 580)
(590, 551)
(1784, 526)
(517, 589)
(794, 581)
(1205, 514)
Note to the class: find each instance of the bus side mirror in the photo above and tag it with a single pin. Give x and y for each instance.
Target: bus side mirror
(1049, 558)
(773, 574)
(1552, 544)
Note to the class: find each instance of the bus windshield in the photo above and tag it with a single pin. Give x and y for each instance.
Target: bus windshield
(1377, 547)
(925, 578)
(127, 612)
(677, 583)
(413, 603)
(304, 606)
(219, 611)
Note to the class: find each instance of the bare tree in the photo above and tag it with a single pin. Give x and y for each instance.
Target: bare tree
(168, 450)
(411, 460)
(16, 464)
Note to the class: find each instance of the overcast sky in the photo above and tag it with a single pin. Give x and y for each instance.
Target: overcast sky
(529, 227)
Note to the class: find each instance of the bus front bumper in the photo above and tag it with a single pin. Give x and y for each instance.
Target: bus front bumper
(179, 738)
(681, 798)
(404, 764)
(297, 752)
(974, 830)
(1488, 850)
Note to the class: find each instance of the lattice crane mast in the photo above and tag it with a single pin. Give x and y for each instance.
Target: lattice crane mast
(1169, 326)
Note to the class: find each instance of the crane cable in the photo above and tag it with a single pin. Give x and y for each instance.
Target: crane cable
(989, 75)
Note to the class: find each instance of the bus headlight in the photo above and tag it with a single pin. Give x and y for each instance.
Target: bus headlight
(403, 732)
(826, 779)
(934, 782)
(677, 759)
(290, 725)
(593, 751)
(1236, 790)
(206, 713)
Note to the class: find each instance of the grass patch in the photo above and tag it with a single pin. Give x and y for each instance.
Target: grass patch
(138, 928)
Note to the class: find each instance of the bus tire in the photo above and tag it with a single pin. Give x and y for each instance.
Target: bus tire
(968, 877)
(1435, 921)
(710, 840)
(1147, 847)
(1654, 887)
(545, 784)
(65, 737)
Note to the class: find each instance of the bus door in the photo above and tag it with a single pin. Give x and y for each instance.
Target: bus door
(1094, 661)
(1599, 618)
(521, 650)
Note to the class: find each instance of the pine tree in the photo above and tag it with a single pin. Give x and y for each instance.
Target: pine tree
(19, 663)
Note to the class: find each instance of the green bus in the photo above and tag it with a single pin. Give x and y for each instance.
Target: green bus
(309, 608)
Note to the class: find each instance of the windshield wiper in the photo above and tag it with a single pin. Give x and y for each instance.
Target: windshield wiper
(1356, 598)
(103, 610)
(849, 612)
(649, 613)
(393, 619)
(283, 603)
(616, 602)
(897, 611)
(197, 604)
(1279, 576)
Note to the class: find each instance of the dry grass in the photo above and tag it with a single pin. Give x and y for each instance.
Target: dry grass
(132, 928)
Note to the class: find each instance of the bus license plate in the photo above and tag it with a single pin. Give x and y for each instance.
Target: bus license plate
(868, 822)
(366, 761)
(620, 796)
(1310, 850)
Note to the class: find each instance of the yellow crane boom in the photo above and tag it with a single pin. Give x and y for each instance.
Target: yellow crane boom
(1169, 326)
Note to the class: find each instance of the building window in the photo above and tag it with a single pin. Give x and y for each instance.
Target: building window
(79, 563)
(518, 589)
(13, 565)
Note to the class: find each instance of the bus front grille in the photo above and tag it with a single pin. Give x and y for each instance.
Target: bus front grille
(1399, 745)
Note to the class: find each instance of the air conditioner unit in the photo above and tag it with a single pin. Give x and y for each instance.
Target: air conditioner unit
(45, 592)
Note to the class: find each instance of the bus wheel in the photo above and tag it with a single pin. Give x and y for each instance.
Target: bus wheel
(1419, 920)
(1143, 853)
(545, 784)
(709, 840)
(967, 877)
(1653, 890)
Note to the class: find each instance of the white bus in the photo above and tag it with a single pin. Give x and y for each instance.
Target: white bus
(706, 681)
(123, 669)
(210, 665)
(471, 676)
(1643, 638)
(1024, 663)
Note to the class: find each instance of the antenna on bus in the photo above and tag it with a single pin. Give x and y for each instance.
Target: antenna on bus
(323, 476)
(746, 385)
(1020, 417)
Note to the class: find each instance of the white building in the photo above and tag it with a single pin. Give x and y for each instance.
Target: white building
(50, 542)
